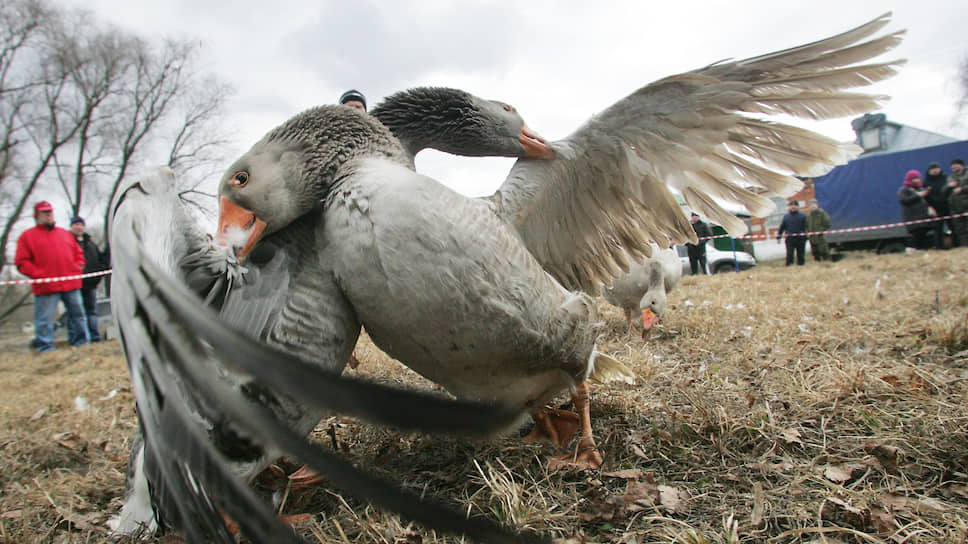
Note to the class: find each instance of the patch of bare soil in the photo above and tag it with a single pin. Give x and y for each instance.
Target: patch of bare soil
(824, 403)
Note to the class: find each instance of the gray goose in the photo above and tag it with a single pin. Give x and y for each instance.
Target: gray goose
(280, 301)
(473, 293)
(214, 403)
(290, 305)
(457, 122)
(645, 287)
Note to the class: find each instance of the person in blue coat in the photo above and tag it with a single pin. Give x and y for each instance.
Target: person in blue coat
(794, 225)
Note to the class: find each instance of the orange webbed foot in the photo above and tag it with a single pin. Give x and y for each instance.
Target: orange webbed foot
(555, 426)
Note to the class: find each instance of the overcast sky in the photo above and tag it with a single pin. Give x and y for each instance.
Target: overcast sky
(558, 63)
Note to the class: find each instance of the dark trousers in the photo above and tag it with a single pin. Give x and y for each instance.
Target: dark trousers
(697, 258)
(795, 244)
(922, 237)
(89, 298)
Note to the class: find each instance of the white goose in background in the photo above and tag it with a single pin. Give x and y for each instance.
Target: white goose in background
(474, 293)
(645, 287)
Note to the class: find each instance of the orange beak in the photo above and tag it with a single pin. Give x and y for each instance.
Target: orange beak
(238, 227)
(648, 319)
(534, 145)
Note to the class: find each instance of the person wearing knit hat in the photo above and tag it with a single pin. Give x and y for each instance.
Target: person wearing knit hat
(794, 226)
(915, 208)
(353, 99)
(48, 251)
(957, 192)
(95, 261)
(934, 181)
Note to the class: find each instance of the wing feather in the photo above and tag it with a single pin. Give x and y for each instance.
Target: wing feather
(701, 135)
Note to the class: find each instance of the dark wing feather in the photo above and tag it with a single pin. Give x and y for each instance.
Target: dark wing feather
(694, 134)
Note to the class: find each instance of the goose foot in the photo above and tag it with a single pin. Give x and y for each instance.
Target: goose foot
(554, 425)
(293, 520)
(304, 478)
(585, 457)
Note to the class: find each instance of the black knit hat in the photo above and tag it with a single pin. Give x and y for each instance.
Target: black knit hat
(77, 219)
(958, 161)
(933, 165)
(352, 95)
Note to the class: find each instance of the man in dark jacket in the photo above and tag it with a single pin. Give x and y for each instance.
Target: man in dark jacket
(48, 251)
(957, 193)
(697, 252)
(934, 181)
(95, 263)
(794, 224)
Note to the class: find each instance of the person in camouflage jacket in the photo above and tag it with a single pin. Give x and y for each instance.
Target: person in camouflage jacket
(818, 221)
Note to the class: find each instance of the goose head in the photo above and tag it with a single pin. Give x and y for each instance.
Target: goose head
(291, 169)
(460, 123)
(652, 305)
(654, 300)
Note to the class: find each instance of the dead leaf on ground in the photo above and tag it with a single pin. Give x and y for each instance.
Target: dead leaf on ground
(627, 474)
(791, 436)
(69, 440)
(11, 514)
(39, 414)
(959, 490)
(843, 473)
(778, 468)
(927, 505)
(888, 456)
(882, 520)
(645, 495)
(840, 511)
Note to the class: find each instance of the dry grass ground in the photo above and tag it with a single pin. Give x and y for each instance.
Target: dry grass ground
(819, 404)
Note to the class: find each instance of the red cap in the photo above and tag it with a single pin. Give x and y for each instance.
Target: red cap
(43, 206)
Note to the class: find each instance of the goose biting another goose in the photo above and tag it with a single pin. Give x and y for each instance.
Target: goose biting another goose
(456, 287)
(406, 250)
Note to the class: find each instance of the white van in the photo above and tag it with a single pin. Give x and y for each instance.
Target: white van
(718, 261)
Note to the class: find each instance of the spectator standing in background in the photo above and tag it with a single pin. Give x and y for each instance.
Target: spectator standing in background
(95, 262)
(818, 221)
(48, 251)
(935, 181)
(957, 193)
(794, 224)
(914, 207)
(697, 252)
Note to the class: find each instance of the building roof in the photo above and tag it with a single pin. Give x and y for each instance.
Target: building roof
(877, 135)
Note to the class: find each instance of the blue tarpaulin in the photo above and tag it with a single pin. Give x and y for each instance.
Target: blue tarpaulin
(863, 192)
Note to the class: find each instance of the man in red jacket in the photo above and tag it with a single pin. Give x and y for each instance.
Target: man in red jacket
(48, 251)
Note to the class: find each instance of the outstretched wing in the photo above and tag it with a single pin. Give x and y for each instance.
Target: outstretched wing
(699, 134)
(185, 365)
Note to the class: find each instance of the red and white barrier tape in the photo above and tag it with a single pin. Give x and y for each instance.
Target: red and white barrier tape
(745, 236)
(62, 278)
(853, 229)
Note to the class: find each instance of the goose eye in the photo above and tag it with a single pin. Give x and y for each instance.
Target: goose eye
(240, 179)
(508, 108)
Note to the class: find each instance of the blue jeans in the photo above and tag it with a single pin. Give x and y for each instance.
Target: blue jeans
(89, 296)
(45, 309)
